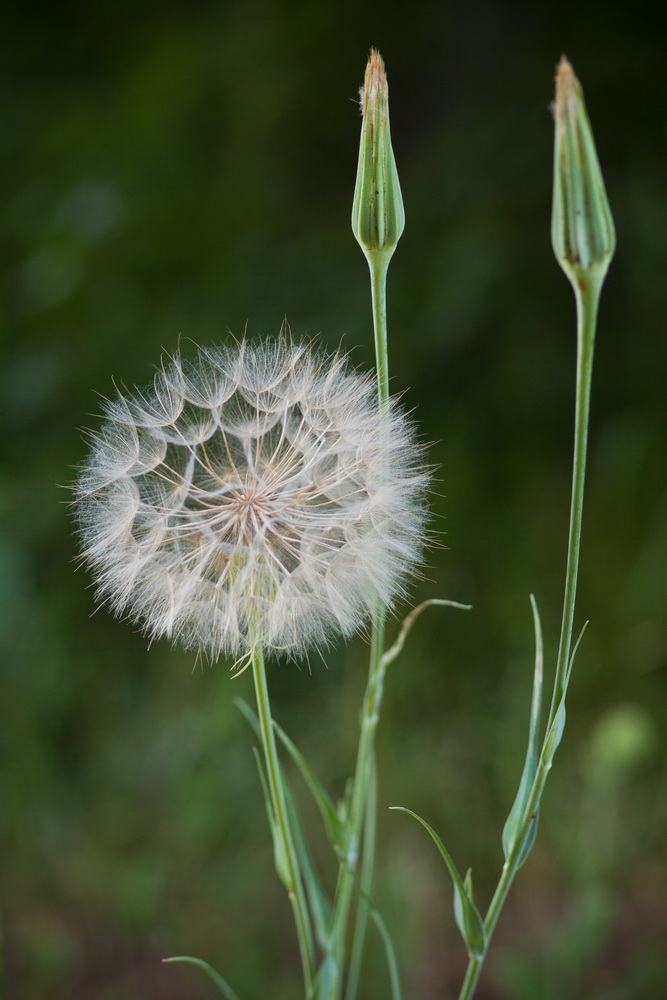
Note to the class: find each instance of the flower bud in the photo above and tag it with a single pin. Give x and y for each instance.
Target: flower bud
(582, 229)
(378, 216)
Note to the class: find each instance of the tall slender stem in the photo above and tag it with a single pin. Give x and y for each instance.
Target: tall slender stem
(587, 298)
(292, 871)
(370, 713)
(365, 886)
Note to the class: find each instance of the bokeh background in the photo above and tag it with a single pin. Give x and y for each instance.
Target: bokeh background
(181, 170)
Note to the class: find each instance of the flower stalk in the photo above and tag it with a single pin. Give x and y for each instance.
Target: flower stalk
(378, 220)
(289, 863)
(584, 241)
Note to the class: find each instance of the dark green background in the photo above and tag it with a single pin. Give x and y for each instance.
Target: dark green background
(181, 170)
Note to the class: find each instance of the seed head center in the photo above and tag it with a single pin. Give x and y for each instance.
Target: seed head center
(248, 499)
(253, 510)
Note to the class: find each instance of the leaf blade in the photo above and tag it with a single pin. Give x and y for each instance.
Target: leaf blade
(221, 983)
(332, 822)
(390, 953)
(516, 817)
(318, 900)
(466, 914)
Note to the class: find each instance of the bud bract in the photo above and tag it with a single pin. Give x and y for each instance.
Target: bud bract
(378, 216)
(582, 229)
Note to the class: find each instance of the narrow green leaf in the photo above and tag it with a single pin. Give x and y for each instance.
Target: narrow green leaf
(554, 735)
(468, 919)
(365, 898)
(529, 841)
(279, 859)
(516, 818)
(324, 983)
(459, 915)
(467, 883)
(319, 903)
(555, 732)
(332, 821)
(392, 964)
(221, 983)
(318, 900)
(574, 651)
(343, 809)
(250, 716)
(334, 827)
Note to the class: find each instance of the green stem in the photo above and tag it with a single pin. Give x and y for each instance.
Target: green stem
(295, 885)
(365, 887)
(361, 782)
(378, 263)
(587, 298)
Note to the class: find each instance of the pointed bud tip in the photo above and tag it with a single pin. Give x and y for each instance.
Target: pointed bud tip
(375, 71)
(568, 88)
(375, 83)
(565, 75)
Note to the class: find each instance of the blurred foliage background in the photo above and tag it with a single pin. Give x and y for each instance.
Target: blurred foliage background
(181, 170)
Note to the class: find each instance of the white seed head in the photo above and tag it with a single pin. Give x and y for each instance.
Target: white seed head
(257, 495)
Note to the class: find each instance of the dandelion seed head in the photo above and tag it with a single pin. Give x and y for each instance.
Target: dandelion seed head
(257, 494)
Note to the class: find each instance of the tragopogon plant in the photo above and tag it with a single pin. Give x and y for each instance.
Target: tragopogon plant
(264, 497)
(252, 502)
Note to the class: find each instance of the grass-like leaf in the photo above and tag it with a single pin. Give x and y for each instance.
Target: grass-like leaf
(468, 919)
(249, 715)
(516, 816)
(334, 826)
(390, 953)
(555, 732)
(279, 859)
(324, 983)
(318, 900)
(319, 903)
(392, 964)
(221, 983)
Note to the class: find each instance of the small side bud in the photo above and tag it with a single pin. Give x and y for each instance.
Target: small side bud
(582, 228)
(378, 216)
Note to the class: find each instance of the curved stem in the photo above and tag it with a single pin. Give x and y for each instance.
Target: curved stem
(587, 298)
(292, 871)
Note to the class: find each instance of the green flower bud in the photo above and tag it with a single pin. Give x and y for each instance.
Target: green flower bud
(378, 216)
(582, 229)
